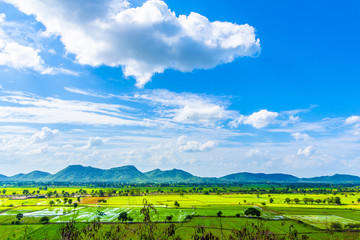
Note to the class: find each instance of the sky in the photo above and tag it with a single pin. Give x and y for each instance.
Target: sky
(213, 88)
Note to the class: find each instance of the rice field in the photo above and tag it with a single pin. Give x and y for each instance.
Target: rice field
(276, 215)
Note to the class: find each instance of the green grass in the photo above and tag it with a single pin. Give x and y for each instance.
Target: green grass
(278, 216)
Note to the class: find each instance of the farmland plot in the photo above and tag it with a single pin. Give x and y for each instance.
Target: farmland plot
(321, 221)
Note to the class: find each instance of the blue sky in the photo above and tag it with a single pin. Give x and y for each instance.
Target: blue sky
(212, 88)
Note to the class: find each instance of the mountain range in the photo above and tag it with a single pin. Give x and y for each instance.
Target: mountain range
(130, 174)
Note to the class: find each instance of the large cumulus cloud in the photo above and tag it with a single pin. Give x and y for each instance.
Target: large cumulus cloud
(143, 40)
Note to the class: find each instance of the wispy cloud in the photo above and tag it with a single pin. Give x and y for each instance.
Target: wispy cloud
(27, 108)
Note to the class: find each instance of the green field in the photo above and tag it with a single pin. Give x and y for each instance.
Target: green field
(277, 216)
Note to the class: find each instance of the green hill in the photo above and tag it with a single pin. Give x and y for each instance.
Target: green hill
(32, 176)
(126, 174)
(174, 175)
(337, 178)
(3, 177)
(259, 177)
(78, 173)
(130, 174)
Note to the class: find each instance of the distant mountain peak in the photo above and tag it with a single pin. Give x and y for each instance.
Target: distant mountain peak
(129, 173)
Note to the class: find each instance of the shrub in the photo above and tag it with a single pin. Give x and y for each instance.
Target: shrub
(188, 217)
(44, 220)
(336, 225)
(253, 212)
(123, 216)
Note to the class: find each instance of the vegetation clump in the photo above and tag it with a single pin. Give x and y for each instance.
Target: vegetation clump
(252, 212)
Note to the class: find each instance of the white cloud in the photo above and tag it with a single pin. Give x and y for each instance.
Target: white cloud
(352, 120)
(261, 119)
(20, 143)
(307, 151)
(256, 152)
(188, 107)
(94, 142)
(46, 134)
(143, 40)
(206, 115)
(22, 56)
(300, 136)
(32, 109)
(17, 56)
(85, 92)
(236, 122)
(195, 146)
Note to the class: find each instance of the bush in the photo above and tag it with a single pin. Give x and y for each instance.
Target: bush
(169, 218)
(237, 215)
(123, 216)
(336, 225)
(188, 217)
(44, 220)
(353, 225)
(253, 212)
(19, 216)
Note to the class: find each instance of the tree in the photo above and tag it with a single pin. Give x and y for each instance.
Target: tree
(49, 193)
(70, 201)
(296, 200)
(168, 218)
(271, 200)
(176, 204)
(253, 212)
(123, 216)
(44, 220)
(287, 200)
(75, 205)
(19, 216)
(101, 193)
(188, 217)
(51, 202)
(219, 213)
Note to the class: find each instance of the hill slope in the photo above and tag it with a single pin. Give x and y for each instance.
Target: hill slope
(259, 177)
(174, 175)
(3, 177)
(32, 176)
(130, 174)
(337, 178)
(78, 173)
